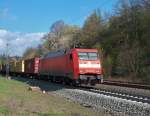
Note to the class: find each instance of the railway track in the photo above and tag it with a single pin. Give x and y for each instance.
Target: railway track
(136, 98)
(126, 84)
(112, 101)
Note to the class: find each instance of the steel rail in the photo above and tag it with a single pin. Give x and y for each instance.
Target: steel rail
(136, 98)
(126, 84)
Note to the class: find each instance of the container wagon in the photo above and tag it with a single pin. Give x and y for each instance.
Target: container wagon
(17, 67)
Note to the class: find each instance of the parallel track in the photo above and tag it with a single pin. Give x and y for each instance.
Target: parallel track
(118, 95)
(126, 84)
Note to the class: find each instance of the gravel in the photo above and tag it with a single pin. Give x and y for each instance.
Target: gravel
(114, 105)
(126, 90)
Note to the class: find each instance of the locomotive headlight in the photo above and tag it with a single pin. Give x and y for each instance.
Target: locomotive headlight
(100, 65)
(81, 71)
(97, 71)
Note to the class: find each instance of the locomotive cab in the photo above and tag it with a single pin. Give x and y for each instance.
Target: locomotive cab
(88, 66)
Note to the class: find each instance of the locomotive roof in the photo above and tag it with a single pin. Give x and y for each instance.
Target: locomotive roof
(62, 52)
(53, 54)
(85, 50)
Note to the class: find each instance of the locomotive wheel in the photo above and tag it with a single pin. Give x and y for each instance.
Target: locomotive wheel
(93, 84)
(71, 83)
(53, 79)
(74, 83)
(64, 82)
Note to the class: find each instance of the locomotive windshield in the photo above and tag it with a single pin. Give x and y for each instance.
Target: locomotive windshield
(88, 55)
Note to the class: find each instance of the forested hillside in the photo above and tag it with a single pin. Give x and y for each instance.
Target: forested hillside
(122, 37)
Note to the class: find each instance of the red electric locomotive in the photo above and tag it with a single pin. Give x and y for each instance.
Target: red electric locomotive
(75, 66)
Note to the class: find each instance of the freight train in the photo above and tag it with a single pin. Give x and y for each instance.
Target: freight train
(75, 66)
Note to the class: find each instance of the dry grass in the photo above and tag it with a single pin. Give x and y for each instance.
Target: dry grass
(16, 100)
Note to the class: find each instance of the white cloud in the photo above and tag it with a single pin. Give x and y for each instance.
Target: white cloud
(18, 42)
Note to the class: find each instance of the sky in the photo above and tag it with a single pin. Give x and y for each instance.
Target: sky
(23, 20)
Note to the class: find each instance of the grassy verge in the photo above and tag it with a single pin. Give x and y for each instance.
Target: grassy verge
(15, 99)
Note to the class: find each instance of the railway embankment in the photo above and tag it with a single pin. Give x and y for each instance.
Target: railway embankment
(17, 100)
(125, 90)
(113, 105)
(105, 103)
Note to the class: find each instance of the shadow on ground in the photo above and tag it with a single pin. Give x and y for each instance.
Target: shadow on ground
(42, 84)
